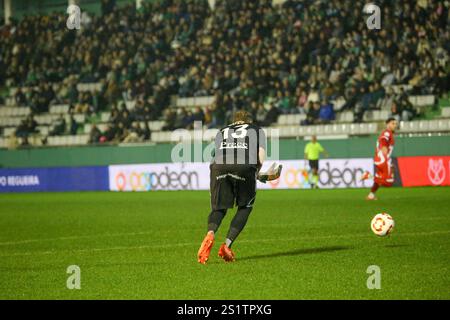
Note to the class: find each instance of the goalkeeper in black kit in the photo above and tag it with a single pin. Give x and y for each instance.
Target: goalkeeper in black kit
(240, 150)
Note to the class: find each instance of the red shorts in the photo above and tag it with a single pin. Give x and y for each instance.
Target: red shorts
(384, 174)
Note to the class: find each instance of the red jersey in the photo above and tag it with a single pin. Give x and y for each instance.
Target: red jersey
(386, 139)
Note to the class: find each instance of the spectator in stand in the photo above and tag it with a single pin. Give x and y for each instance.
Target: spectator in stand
(84, 104)
(253, 50)
(30, 125)
(13, 142)
(146, 133)
(170, 119)
(94, 135)
(20, 98)
(302, 98)
(395, 112)
(134, 134)
(198, 115)
(312, 117)
(107, 6)
(405, 107)
(126, 119)
(73, 94)
(182, 119)
(110, 133)
(139, 112)
(22, 129)
(73, 125)
(217, 115)
(442, 82)
(59, 127)
(261, 115)
(271, 116)
(326, 112)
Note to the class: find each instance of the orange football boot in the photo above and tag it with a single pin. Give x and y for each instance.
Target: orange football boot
(205, 248)
(226, 253)
(366, 175)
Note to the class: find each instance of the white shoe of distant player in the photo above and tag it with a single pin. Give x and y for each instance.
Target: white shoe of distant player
(371, 196)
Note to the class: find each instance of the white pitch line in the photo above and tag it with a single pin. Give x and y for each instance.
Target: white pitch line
(76, 237)
(132, 234)
(162, 246)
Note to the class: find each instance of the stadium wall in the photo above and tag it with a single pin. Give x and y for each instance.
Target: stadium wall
(360, 147)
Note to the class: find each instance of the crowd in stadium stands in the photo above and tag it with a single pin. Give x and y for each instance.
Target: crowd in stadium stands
(271, 60)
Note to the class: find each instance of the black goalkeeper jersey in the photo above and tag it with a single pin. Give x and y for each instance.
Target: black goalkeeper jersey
(238, 143)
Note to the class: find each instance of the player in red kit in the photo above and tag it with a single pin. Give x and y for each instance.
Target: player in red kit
(384, 170)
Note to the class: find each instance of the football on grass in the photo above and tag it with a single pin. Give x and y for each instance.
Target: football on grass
(382, 224)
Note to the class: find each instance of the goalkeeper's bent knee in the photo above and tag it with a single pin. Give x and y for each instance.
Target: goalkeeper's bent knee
(239, 221)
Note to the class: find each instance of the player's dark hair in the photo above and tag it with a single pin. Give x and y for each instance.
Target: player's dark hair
(243, 116)
(390, 119)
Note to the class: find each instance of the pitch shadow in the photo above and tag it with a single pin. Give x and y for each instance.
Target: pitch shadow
(296, 252)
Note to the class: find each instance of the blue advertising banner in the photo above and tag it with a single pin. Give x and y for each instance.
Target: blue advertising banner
(54, 179)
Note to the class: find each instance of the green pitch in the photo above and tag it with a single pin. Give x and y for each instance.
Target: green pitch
(297, 245)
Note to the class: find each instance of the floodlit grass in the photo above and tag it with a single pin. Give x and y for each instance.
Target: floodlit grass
(298, 244)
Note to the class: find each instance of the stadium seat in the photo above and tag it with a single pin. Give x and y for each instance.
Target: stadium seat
(283, 119)
(58, 109)
(210, 134)
(328, 130)
(319, 130)
(44, 130)
(155, 136)
(80, 118)
(289, 119)
(43, 119)
(354, 129)
(87, 128)
(376, 115)
(445, 112)
(368, 115)
(105, 116)
(382, 115)
(414, 126)
(311, 130)
(102, 126)
(433, 125)
(9, 131)
(82, 87)
(155, 125)
(337, 129)
(302, 131)
(424, 125)
(130, 104)
(363, 128)
(6, 112)
(372, 128)
(10, 121)
(195, 101)
(444, 125)
(299, 118)
(405, 126)
(346, 116)
(52, 141)
(288, 131)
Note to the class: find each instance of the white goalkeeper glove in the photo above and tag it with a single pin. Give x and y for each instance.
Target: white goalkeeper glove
(270, 174)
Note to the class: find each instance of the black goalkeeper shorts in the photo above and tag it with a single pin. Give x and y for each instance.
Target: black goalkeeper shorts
(314, 164)
(232, 184)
